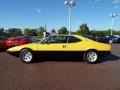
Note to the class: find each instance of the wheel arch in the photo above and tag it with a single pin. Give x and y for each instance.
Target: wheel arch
(92, 50)
(26, 48)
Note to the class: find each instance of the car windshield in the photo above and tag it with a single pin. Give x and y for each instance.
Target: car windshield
(53, 39)
(42, 40)
(112, 36)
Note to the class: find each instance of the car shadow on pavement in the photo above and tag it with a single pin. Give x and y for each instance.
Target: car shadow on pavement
(111, 57)
(3, 50)
(64, 58)
(60, 58)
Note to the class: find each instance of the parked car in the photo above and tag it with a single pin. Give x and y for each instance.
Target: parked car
(20, 40)
(88, 36)
(62, 45)
(109, 39)
(2, 45)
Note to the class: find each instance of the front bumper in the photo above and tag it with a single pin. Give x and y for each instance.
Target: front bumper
(14, 53)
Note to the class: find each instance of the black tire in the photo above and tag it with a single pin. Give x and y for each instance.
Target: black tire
(90, 57)
(26, 56)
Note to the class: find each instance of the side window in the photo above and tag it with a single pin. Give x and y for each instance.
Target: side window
(52, 39)
(72, 39)
(58, 39)
(61, 39)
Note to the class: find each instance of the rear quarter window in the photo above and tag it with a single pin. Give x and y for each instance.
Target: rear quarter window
(72, 39)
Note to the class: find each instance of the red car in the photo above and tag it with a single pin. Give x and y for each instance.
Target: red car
(3, 46)
(17, 41)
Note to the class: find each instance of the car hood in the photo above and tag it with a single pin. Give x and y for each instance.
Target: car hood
(31, 46)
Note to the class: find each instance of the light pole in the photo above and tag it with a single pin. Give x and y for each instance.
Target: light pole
(113, 15)
(70, 3)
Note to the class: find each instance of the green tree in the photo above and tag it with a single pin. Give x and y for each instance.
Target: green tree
(29, 32)
(99, 33)
(1, 30)
(118, 32)
(3, 34)
(83, 30)
(63, 30)
(73, 32)
(53, 31)
(40, 31)
(13, 32)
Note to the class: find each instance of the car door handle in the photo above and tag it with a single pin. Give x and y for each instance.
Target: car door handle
(64, 46)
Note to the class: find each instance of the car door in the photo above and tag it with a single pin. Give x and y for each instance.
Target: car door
(54, 43)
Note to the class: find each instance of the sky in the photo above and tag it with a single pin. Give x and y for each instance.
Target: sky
(53, 13)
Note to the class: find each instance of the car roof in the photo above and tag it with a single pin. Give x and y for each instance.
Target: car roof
(78, 36)
(65, 35)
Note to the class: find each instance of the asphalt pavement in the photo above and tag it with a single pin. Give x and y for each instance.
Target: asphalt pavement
(60, 74)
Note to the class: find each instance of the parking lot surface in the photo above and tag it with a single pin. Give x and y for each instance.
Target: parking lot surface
(60, 74)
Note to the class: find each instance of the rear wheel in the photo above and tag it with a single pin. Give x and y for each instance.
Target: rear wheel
(90, 57)
(26, 56)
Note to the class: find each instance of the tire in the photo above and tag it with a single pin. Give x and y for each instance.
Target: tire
(90, 57)
(26, 56)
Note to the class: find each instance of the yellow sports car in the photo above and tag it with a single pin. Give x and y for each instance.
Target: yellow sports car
(90, 50)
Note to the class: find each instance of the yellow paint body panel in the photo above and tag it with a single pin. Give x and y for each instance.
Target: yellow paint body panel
(84, 45)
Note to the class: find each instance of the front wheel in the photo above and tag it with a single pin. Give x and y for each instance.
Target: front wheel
(26, 56)
(90, 57)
